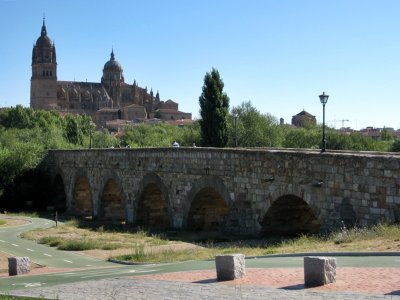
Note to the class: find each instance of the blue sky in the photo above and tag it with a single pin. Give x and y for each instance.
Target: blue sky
(279, 54)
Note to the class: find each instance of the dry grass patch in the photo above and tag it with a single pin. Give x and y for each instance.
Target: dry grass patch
(141, 246)
(378, 238)
(6, 220)
(69, 237)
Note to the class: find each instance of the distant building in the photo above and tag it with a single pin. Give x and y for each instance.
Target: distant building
(110, 99)
(346, 130)
(380, 133)
(304, 119)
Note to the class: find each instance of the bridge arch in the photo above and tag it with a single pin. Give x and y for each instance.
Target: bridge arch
(112, 202)
(153, 207)
(290, 215)
(208, 204)
(82, 204)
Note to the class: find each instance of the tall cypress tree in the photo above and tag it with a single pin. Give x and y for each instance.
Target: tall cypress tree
(214, 110)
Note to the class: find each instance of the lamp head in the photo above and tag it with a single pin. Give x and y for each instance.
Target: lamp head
(323, 98)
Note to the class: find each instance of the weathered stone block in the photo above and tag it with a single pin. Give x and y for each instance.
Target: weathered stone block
(230, 267)
(319, 270)
(18, 265)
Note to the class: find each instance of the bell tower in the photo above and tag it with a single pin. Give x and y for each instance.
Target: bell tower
(44, 73)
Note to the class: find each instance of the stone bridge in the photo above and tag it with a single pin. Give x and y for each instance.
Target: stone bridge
(234, 191)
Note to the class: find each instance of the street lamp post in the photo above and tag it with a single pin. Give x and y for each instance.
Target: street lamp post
(324, 99)
(90, 134)
(90, 137)
(235, 118)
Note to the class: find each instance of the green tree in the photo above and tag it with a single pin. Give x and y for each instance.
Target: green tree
(301, 137)
(189, 135)
(18, 117)
(386, 135)
(103, 140)
(18, 153)
(160, 135)
(395, 147)
(77, 128)
(253, 129)
(214, 109)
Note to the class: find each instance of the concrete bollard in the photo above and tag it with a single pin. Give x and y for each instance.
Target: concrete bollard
(319, 270)
(18, 265)
(230, 267)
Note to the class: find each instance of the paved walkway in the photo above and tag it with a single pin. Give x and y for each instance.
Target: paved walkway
(125, 288)
(378, 281)
(273, 283)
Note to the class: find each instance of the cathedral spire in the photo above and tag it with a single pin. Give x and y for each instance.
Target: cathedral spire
(44, 31)
(112, 54)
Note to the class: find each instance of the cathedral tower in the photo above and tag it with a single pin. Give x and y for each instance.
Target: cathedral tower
(44, 73)
(113, 79)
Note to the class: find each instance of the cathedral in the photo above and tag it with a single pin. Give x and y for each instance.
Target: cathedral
(110, 99)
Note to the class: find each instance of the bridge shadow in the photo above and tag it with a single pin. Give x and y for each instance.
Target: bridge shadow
(210, 239)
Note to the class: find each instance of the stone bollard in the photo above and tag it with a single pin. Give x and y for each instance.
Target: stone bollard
(230, 267)
(18, 265)
(319, 270)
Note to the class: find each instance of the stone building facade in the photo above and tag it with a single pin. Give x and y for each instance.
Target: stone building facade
(304, 119)
(110, 95)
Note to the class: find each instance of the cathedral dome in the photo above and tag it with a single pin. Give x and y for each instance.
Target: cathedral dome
(44, 41)
(112, 64)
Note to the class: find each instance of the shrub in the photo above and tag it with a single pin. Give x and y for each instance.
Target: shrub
(52, 241)
(77, 245)
(111, 246)
(345, 235)
(139, 252)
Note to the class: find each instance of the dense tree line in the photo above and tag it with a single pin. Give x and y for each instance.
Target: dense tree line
(254, 129)
(160, 135)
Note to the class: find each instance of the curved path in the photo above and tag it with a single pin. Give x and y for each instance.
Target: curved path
(11, 243)
(88, 277)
